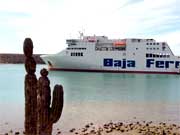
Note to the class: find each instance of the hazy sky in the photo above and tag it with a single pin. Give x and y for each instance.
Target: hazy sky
(50, 22)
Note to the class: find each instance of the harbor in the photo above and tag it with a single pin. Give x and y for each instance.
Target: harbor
(98, 98)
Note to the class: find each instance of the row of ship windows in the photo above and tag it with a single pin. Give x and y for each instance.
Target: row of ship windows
(150, 55)
(154, 43)
(152, 48)
(76, 48)
(76, 54)
(110, 48)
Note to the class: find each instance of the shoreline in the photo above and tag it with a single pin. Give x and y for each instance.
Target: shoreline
(10, 58)
(75, 117)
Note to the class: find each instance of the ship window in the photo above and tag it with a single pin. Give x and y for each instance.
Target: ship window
(147, 43)
(154, 48)
(77, 54)
(104, 48)
(154, 43)
(163, 48)
(157, 48)
(150, 48)
(111, 48)
(157, 43)
(147, 54)
(136, 48)
(150, 43)
(150, 55)
(154, 55)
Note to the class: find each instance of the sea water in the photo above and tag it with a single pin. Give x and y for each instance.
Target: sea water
(94, 97)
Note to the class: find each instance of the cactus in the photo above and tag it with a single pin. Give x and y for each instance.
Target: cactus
(39, 116)
(30, 89)
(48, 115)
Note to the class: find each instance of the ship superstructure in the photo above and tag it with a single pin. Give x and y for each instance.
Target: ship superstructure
(98, 53)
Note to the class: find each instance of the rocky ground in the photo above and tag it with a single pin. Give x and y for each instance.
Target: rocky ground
(136, 128)
(119, 128)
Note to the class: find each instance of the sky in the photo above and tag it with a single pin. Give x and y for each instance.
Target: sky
(50, 22)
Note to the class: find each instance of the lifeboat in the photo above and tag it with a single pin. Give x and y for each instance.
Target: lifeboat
(119, 43)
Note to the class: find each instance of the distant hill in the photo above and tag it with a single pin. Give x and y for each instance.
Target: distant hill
(18, 58)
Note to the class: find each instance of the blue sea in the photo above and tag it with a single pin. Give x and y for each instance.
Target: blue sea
(94, 97)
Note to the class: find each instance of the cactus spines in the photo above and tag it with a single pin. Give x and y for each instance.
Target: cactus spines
(30, 89)
(48, 115)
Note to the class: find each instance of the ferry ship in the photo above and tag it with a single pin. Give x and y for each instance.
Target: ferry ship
(100, 54)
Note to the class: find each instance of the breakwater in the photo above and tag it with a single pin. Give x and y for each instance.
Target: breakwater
(18, 58)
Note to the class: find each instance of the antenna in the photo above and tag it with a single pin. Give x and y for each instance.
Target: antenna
(81, 35)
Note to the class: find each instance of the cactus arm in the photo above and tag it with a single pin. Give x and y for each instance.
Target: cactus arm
(57, 104)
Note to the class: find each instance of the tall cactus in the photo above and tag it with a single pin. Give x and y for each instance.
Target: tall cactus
(30, 89)
(39, 116)
(48, 115)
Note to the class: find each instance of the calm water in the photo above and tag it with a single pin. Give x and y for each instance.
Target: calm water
(94, 97)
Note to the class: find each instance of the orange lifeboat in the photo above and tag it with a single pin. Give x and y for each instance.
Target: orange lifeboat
(119, 43)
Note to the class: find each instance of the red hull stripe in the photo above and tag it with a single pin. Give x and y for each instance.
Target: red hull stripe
(111, 71)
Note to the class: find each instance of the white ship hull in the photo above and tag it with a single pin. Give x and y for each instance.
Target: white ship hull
(134, 59)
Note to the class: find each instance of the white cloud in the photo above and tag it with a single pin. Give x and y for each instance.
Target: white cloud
(50, 22)
(172, 39)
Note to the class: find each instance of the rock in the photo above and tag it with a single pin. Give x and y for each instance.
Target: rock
(84, 129)
(87, 126)
(17, 133)
(72, 130)
(59, 132)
